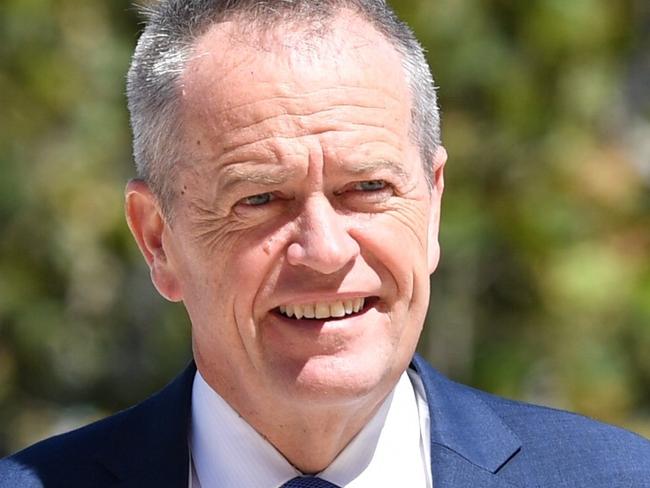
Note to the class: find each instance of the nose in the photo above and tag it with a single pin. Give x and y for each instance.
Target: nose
(322, 240)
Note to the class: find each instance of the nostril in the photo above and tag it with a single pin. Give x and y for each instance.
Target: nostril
(295, 254)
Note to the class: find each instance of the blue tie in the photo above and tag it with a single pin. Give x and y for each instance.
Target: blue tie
(308, 482)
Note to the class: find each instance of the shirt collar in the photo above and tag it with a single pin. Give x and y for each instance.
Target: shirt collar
(227, 452)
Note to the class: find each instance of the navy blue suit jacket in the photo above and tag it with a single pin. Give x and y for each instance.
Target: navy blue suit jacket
(477, 440)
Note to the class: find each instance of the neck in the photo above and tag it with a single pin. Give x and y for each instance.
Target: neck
(311, 440)
(309, 432)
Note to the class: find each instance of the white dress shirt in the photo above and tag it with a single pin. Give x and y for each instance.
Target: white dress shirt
(391, 450)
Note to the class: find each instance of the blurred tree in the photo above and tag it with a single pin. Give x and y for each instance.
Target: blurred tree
(543, 292)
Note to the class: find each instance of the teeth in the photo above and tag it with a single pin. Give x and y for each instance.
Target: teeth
(323, 310)
(309, 311)
(337, 310)
(298, 312)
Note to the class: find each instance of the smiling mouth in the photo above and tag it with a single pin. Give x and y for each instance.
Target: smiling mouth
(336, 309)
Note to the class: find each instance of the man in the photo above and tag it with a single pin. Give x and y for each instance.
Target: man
(291, 176)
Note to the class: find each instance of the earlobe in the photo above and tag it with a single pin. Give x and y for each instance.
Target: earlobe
(148, 227)
(438, 185)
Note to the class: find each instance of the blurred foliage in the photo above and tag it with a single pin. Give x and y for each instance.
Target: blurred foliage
(543, 292)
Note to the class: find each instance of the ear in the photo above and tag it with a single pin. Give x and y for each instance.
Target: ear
(149, 227)
(433, 251)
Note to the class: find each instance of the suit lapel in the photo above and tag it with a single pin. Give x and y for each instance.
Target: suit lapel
(450, 470)
(149, 447)
(469, 441)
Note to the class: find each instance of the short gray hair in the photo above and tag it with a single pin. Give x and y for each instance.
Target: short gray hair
(165, 47)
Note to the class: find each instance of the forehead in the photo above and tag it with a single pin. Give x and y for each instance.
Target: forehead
(234, 65)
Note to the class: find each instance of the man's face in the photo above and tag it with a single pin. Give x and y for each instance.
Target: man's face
(304, 231)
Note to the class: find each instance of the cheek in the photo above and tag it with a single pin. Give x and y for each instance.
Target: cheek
(210, 271)
(224, 287)
(395, 247)
(253, 270)
(396, 242)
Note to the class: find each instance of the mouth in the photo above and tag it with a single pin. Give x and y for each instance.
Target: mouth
(327, 310)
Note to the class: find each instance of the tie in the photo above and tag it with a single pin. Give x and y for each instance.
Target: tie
(308, 482)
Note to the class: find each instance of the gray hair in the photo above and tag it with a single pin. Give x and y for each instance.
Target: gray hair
(165, 47)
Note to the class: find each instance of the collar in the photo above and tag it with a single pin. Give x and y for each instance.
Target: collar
(228, 452)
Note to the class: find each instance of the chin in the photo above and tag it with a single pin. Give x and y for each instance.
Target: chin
(336, 379)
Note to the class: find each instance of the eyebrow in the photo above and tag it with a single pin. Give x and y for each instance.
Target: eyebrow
(234, 176)
(365, 167)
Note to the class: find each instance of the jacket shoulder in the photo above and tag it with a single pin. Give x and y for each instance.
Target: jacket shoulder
(569, 449)
(148, 441)
(62, 459)
(531, 445)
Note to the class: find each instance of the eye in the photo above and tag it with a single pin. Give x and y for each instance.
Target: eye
(366, 194)
(258, 200)
(370, 185)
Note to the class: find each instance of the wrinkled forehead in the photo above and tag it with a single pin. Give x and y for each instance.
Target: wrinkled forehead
(296, 57)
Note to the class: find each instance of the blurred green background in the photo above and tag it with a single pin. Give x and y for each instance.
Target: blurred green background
(543, 292)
